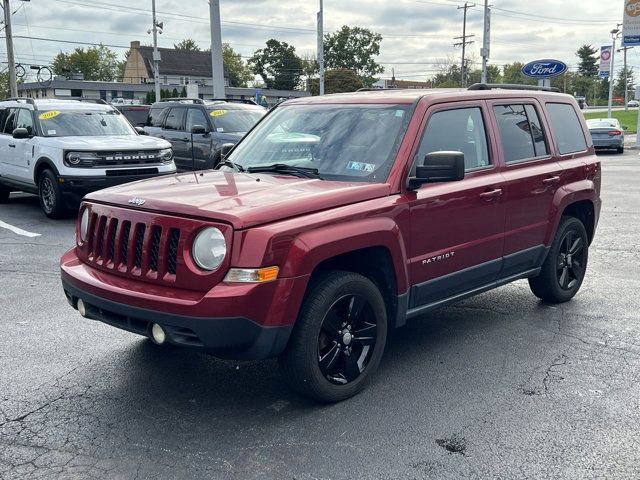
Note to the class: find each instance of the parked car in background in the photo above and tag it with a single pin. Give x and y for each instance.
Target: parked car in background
(606, 134)
(217, 122)
(633, 103)
(136, 114)
(337, 219)
(63, 149)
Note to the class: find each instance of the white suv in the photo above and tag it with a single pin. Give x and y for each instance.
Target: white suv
(63, 149)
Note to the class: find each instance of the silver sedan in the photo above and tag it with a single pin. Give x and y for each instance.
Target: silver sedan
(606, 133)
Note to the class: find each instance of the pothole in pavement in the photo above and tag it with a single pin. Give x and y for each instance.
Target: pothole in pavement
(452, 445)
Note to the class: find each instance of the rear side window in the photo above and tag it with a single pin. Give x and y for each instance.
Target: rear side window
(174, 119)
(155, 116)
(521, 132)
(567, 128)
(459, 130)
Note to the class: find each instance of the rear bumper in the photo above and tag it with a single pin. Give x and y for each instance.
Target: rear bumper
(613, 143)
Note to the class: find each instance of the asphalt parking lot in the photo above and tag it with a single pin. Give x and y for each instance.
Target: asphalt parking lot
(500, 386)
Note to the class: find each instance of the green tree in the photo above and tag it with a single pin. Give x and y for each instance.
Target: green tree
(239, 73)
(588, 64)
(354, 48)
(188, 44)
(183, 92)
(339, 80)
(447, 77)
(4, 85)
(512, 73)
(278, 65)
(95, 63)
(493, 75)
(618, 87)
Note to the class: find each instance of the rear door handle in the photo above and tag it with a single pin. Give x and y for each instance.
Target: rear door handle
(551, 180)
(12, 145)
(491, 194)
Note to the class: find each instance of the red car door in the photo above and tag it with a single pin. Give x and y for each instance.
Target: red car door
(457, 228)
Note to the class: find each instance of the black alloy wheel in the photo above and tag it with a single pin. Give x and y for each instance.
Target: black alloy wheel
(50, 195)
(347, 339)
(564, 268)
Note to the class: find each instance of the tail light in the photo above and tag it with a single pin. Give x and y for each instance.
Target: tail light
(614, 133)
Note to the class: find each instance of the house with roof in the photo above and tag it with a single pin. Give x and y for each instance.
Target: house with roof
(177, 67)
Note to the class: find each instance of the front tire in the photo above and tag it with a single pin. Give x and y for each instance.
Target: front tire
(338, 339)
(50, 195)
(4, 194)
(566, 264)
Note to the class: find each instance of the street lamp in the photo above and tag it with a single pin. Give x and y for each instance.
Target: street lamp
(615, 33)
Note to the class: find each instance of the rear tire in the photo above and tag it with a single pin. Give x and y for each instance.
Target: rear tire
(50, 195)
(338, 339)
(620, 150)
(566, 263)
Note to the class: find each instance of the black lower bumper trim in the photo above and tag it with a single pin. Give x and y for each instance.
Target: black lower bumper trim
(228, 337)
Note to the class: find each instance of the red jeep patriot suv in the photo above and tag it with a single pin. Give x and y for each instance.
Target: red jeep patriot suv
(340, 217)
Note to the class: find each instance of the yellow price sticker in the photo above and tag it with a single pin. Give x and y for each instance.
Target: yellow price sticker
(217, 113)
(48, 115)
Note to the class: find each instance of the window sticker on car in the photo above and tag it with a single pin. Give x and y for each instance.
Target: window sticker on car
(220, 129)
(217, 113)
(51, 132)
(363, 167)
(49, 114)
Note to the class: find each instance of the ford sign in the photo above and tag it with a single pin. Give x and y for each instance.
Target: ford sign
(544, 68)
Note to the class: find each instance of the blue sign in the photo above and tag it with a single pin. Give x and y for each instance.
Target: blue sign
(544, 68)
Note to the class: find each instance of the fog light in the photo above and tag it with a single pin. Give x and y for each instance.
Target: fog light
(81, 308)
(157, 334)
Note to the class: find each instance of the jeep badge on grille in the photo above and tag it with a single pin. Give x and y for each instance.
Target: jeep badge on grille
(136, 201)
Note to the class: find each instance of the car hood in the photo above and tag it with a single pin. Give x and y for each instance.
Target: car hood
(108, 142)
(240, 199)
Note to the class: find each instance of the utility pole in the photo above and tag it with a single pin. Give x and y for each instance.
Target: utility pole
(321, 46)
(486, 41)
(217, 64)
(614, 35)
(626, 88)
(13, 84)
(156, 53)
(463, 43)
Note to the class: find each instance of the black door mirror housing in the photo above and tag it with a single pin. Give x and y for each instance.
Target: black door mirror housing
(226, 148)
(21, 133)
(439, 167)
(198, 129)
(140, 130)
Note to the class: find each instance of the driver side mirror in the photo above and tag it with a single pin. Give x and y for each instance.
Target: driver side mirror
(140, 130)
(226, 148)
(21, 133)
(439, 167)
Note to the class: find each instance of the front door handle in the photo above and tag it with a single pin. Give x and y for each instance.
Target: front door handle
(12, 145)
(491, 194)
(551, 180)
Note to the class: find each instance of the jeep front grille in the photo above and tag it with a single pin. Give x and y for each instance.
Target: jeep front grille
(122, 245)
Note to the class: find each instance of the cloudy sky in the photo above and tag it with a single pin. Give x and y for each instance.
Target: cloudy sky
(418, 34)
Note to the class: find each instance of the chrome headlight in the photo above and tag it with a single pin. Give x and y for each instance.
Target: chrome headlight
(81, 159)
(209, 248)
(166, 155)
(84, 224)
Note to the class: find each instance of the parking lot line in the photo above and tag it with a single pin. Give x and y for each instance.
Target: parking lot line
(18, 231)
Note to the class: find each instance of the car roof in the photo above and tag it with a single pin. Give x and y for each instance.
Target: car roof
(607, 120)
(407, 96)
(55, 104)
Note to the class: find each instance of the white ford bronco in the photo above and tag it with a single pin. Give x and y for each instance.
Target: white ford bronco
(63, 149)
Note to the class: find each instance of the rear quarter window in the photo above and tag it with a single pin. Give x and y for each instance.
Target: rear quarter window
(567, 128)
(155, 116)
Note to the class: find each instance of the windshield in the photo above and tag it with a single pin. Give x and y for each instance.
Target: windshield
(237, 120)
(343, 142)
(83, 123)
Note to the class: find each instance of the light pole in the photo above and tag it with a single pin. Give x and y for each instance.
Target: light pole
(614, 35)
(484, 51)
(13, 85)
(626, 88)
(156, 53)
(321, 46)
(217, 63)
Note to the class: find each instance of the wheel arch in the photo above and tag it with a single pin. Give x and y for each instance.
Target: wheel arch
(576, 200)
(42, 164)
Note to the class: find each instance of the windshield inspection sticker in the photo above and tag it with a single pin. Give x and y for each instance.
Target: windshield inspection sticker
(51, 132)
(48, 115)
(363, 167)
(217, 113)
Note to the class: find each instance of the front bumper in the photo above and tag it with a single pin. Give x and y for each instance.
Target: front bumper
(238, 321)
(74, 188)
(228, 337)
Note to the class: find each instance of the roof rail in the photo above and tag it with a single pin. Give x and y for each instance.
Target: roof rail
(248, 101)
(511, 86)
(374, 89)
(183, 99)
(99, 101)
(18, 99)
